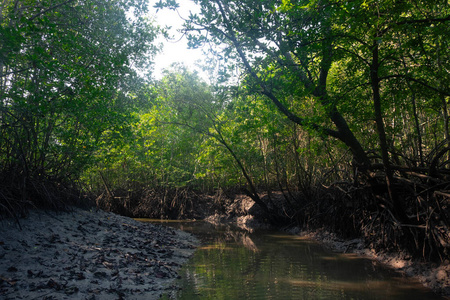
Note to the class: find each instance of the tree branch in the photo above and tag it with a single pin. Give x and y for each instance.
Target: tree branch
(267, 92)
(446, 93)
(49, 9)
(424, 21)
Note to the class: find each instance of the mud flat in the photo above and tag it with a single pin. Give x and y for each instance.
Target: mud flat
(89, 254)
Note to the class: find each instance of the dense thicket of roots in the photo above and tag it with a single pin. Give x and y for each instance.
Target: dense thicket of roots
(20, 193)
(161, 203)
(418, 223)
(412, 216)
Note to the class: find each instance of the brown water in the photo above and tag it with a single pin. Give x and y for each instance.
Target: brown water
(235, 264)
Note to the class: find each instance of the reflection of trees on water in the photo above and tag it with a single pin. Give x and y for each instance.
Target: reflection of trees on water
(240, 237)
(234, 264)
(219, 233)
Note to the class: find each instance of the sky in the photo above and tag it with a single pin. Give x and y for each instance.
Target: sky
(175, 50)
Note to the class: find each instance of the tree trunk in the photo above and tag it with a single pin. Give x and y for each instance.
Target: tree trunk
(343, 132)
(375, 83)
(252, 193)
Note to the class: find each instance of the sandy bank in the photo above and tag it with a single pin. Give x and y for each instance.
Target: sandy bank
(89, 255)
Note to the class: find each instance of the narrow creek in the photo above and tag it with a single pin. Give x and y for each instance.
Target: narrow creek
(235, 264)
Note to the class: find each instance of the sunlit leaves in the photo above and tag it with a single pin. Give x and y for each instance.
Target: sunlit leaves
(67, 69)
(315, 57)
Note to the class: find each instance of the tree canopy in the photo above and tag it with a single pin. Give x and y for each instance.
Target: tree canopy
(67, 79)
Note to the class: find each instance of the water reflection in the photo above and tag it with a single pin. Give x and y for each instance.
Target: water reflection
(234, 264)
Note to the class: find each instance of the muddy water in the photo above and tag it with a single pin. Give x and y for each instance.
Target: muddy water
(235, 264)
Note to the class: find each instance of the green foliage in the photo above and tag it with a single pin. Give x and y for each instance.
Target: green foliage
(329, 91)
(316, 59)
(67, 70)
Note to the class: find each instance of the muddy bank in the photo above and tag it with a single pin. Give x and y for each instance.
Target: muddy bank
(89, 255)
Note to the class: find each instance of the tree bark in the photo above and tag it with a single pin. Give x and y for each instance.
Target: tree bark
(375, 83)
(252, 193)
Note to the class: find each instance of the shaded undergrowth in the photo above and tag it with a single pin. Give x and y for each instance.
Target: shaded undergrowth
(19, 194)
(162, 203)
(420, 228)
(417, 223)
